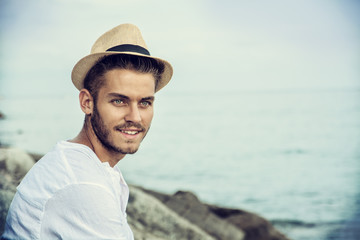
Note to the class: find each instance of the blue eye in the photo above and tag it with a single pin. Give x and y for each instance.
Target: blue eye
(118, 101)
(145, 104)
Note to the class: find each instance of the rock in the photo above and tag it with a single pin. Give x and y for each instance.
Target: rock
(15, 163)
(6, 182)
(187, 205)
(6, 197)
(150, 219)
(36, 156)
(215, 220)
(254, 226)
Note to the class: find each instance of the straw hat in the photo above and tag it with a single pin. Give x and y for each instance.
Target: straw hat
(123, 39)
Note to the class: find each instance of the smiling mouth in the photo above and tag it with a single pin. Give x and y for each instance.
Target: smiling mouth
(130, 132)
(130, 129)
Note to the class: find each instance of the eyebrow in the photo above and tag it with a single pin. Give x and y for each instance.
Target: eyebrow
(118, 95)
(151, 98)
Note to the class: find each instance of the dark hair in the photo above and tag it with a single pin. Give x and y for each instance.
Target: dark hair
(94, 79)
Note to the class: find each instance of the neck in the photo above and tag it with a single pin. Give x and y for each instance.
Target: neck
(88, 138)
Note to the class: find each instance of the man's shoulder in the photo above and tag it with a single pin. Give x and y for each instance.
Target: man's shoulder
(67, 158)
(64, 165)
(72, 151)
(62, 161)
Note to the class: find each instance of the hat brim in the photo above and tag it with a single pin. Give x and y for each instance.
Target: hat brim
(83, 66)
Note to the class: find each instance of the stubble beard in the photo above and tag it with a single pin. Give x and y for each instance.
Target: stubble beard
(102, 133)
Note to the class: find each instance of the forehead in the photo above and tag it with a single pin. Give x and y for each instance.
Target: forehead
(128, 82)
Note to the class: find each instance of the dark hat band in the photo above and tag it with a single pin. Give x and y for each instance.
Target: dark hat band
(129, 48)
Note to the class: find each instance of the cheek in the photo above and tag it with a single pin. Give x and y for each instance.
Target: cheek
(110, 116)
(147, 117)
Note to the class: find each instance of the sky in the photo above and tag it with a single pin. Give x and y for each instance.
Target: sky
(213, 45)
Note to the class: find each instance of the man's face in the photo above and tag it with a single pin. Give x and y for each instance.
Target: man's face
(124, 109)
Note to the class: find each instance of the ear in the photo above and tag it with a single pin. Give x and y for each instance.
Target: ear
(86, 101)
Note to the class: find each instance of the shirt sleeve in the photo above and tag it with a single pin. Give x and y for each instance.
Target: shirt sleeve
(84, 211)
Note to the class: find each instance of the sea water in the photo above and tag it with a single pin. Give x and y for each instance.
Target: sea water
(290, 156)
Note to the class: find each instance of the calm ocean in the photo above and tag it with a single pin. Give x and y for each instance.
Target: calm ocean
(290, 156)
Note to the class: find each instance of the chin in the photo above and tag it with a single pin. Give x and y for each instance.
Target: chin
(129, 150)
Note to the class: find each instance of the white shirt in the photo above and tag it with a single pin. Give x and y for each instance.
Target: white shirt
(70, 194)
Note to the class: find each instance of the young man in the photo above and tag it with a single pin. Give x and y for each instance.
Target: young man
(76, 191)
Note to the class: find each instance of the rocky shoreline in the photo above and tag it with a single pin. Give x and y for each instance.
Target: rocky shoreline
(154, 215)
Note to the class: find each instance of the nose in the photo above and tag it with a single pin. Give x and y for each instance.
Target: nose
(133, 115)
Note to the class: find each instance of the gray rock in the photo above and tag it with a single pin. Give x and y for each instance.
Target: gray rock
(221, 223)
(15, 163)
(6, 197)
(188, 206)
(254, 226)
(150, 219)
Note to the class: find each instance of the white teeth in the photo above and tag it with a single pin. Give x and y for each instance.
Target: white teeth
(130, 132)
